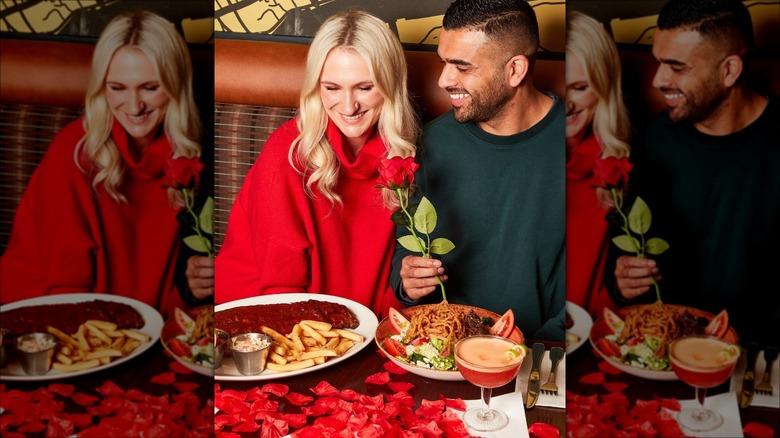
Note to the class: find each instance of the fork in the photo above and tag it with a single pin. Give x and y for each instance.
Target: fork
(556, 354)
(770, 354)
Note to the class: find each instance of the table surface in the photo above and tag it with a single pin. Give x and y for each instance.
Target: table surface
(351, 374)
(136, 374)
(584, 361)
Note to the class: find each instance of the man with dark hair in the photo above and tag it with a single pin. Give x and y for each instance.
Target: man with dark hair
(709, 168)
(493, 167)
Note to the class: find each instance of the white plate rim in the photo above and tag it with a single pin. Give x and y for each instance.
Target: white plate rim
(367, 320)
(581, 327)
(153, 323)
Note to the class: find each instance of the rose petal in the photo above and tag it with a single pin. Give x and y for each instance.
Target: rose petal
(109, 389)
(62, 389)
(757, 430)
(454, 403)
(276, 389)
(608, 368)
(595, 378)
(179, 368)
(185, 386)
(393, 368)
(543, 430)
(82, 399)
(378, 378)
(400, 386)
(164, 378)
(615, 386)
(299, 399)
(324, 389)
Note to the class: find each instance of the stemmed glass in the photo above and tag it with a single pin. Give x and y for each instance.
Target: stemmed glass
(703, 362)
(488, 362)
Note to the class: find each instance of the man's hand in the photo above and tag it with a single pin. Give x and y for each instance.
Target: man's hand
(418, 276)
(200, 276)
(634, 275)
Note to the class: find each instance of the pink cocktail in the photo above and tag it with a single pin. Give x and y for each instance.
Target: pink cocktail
(703, 362)
(488, 362)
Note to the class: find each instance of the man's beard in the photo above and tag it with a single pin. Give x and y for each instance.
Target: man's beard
(700, 103)
(485, 103)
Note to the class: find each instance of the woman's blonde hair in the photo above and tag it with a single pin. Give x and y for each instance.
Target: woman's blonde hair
(588, 41)
(372, 40)
(158, 39)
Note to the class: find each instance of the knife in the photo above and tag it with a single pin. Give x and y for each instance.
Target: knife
(534, 379)
(748, 379)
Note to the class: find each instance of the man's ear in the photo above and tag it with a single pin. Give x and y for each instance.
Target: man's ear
(518, 70)
(731, 70)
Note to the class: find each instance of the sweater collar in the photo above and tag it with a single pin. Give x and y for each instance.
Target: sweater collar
(151, 164)
(366, 164)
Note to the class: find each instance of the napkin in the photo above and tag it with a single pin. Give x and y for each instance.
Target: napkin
(771, 401)
(512, 405)
(521, 386)
(726, 405)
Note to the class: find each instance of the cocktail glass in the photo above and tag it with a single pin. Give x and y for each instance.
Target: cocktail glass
(488, 362)
(703, 362)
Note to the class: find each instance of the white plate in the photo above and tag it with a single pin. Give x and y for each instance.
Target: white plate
(167, 327)
(152, 318)
(582, 324)
(367, 326)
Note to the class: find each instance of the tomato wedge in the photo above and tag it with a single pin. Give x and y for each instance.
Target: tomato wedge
(394, 347)
(398, 321)
(614, 322)
(608, 347)
(719, 325)
(179, 347)
(504, 326)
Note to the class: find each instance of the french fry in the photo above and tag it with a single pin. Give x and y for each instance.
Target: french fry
(76, 366)
(63, 358)
(292, 366)
(103, 353)
(345, 345)
(332, 343)
(313, 333)
(130, 345)
(296, 337)
(135, 334)
(349, 335)
(317, 325)
(278, 337)
(277, 358)
(106, 326)
(96, 332)
(62, 336)
(320, 360)
(311, 354)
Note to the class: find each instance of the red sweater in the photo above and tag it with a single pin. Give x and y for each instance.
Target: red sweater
(281, 240)
(69, 238)
(587, 238)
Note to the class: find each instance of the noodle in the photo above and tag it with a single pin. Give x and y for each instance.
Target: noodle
(655, 320)
(440, 320)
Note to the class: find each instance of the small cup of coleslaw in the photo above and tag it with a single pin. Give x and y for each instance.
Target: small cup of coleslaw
(250, 351)
(35, 352)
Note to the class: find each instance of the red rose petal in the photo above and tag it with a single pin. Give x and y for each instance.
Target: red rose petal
(276, 389)
(349, 394)
(378, 378)
(430, 409)
(324, 389)
(246, 426)
(164, 378)
(608, 368)
(110, 389)
(185, 386)
(394, 368)
(454, 403)
(62, 389)
(33, 426)
(543, 430)
(299, 399)
(400, 386)
(80, 420)
(615, 386)
(595, 378)
(670, 403)
(179, 368)
(757, 430)
(82, 399)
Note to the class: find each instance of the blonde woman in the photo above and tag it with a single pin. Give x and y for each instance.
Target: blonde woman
(597, 126)
(309, 217)
(96, 215)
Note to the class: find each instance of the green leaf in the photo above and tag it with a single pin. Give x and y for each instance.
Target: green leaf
(206, 216)
(655, 246)
(639, 217)
(411, 243)
(196, 243)
(626, 243)
(441, 246)
(399, 218)
(425, 217)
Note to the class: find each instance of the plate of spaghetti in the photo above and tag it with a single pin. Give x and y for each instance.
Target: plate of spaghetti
(635, 339)
(420, 339)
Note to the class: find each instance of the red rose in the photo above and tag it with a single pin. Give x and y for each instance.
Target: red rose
(397, 172)
(183, 172)
(611, 172)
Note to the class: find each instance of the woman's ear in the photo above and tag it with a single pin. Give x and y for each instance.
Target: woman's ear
(518, 70)
(731, 69)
